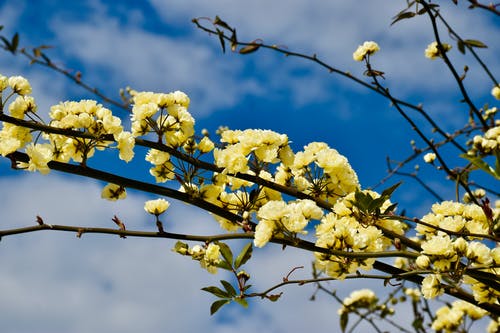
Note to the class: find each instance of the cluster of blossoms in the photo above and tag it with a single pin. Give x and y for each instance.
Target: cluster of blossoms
(449, 319)
(89, 117)
(363, 298)
(432, 51)
(163, 114)
(14, 137)
(85, 117)
(367, 49)
(208, 255)
(346, 229)
(319, 171)
(265, 145)
(445, 254)
(486, 144)
(287, 218)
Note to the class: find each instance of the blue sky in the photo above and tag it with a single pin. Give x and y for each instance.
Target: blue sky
(126, 286)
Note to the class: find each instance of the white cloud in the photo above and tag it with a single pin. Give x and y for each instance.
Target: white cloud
(333, 29)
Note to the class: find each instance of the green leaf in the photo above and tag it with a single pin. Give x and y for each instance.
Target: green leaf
(390, 209)
(461, 46)
(344, 319)
(6, 42)
(216, 291)
(388, 191)
(497, 162)
(220, 33)
(241, 301)
(403, 16)
(217, 305)
(480, 164)
(229, 288)
(244, 255)
(224, 265)
(219, 22)
(475, 43)
(226, 252)
(15, 43)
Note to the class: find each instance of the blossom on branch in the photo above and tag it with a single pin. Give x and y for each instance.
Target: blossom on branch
(368, 48)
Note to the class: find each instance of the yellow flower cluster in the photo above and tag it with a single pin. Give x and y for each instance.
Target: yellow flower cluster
(432, 51)
(347, 230)
(14, 137)
(163, 114)
(87, 116)
(444, 253)
(363, 298)
(281, 217)
(488, 143)
(448, 319)
(265, 145)
(320, 171)
(455, 217)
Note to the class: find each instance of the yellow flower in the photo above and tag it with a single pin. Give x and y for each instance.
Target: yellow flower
(263, 232)
(156, 207)
(126, 145)
(367, 49)
(362, 298)
(40, 155)
(205, 145)
(496, 91)
(113, 192)
(20, 85)
(429, 157)
(432, 51)
(21, 105)
(431, 286)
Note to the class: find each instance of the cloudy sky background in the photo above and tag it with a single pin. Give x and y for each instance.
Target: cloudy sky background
(52, 282)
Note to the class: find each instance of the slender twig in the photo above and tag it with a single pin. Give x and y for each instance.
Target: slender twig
(444, 56)
(314, 58)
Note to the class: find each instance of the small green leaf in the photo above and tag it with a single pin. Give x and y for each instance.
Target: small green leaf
(390, 209)
(475, 43)
(226, 252)
(274, 297)
(219, 22)
(480, 164)
(461, 46)
(229, 288)
(216, 291)
(220, 33)
(244, 255)
(344, 319)
(224, 265)
(388, 191)
(241, 301)
(6, 42)
(403, 16)
(15, 43)
(497, 162)
(217, 305)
